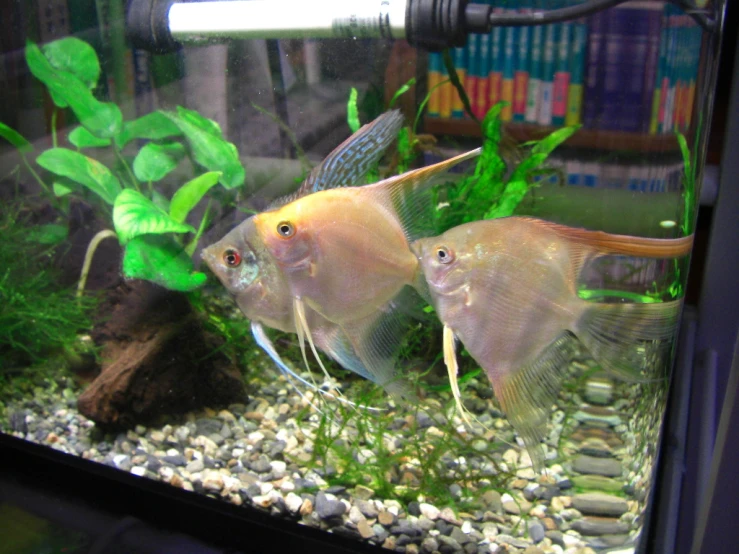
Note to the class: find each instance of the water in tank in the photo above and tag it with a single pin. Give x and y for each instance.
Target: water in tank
(424, 300)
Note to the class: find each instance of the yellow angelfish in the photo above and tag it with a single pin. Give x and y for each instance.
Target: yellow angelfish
(345, 255)
(507, 289)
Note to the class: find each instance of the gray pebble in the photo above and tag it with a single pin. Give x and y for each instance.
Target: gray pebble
(590, 526)
(328, 508)
(176, 460)
(195, 466)
(600, 504)
(598, 466)
(536, 530)
(459, 536)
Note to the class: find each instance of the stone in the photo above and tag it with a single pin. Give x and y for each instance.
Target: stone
(368, 508)
(212, 480)
(513, 541)
(598, 466)
(459, 536)
(365, 529)
(599, 526)
(328, 507)
(429, 511)
(293, 502)
(600, 504)
(536, 530)
(307, 507)
(195, 466)
(598, 483)
(448, 515)
(492, 501)
(430, 544)
(386, 518)
(363, 493)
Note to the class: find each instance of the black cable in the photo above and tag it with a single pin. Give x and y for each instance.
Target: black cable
(479, 18)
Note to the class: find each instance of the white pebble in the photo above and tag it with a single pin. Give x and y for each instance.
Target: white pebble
(266, 488)
(293, 502)
(431, 512)
(138, 470)
(466, 527)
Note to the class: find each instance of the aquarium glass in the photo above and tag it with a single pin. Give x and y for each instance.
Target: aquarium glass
(179, 238)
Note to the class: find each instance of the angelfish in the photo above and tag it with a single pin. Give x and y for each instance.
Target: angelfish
(507, 289)
(250, 274)
(345, 255)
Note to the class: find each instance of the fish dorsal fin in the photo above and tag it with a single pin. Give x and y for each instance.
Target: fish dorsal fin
(348, 164)
(404, 194)
(604, 243)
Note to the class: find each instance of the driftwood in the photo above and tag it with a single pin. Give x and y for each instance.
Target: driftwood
(156, 359)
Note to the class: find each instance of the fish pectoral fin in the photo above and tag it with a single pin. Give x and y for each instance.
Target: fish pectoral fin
(450, 360)
(301, 325)
(376, 340)
(526, 395)
(623, 338)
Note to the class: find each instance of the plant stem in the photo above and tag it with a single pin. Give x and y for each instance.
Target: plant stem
(203, 223)
(35, 175)
(102, 235)
(53, 127)
(131, 176)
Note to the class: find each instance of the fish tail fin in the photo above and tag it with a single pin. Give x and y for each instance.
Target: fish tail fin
(624, 338)
(527, 394)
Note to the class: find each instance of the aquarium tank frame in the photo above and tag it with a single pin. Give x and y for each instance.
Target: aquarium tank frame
(696, 491)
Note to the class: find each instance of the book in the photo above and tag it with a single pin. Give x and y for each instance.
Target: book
(562, 73)
(546, 86)
(597, 25)
(434, 77)
(510, 35)
(496, 62)
(534, 84)
(460, 64)
(473, 69)
(521, 68)
(577, 72)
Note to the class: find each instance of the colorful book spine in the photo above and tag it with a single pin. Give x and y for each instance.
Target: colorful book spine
(660, 92)
(521, 69)
(447, 93)
(535, 61)
(496, 62)
(577, 72)
(460, 64)
(482, 90)
(510, 35)
(473, 69)
(666, 122)
(562, 72)
(433, 79)
(598, 24)
(546, 90)
(629, 46)
(696, 41)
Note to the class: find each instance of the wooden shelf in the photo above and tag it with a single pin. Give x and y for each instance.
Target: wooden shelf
(584, 138)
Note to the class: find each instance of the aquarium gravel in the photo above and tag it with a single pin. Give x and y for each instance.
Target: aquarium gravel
(263, 453)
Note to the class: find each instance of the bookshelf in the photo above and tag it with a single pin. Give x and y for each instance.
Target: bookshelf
(585, 138)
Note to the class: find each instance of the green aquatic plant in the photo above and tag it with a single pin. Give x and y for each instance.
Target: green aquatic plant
(494, 190)
(158, 242)
(37, 318)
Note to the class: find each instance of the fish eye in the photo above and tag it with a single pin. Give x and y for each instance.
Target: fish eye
(285, 229)
(231, 257)
(444, 255)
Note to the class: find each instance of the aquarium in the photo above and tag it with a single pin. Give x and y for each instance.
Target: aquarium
(419, 299)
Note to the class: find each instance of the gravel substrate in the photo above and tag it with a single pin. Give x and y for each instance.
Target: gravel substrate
(271, 452)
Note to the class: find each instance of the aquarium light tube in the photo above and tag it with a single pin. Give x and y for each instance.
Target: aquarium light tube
(288, 19)
(161, 25)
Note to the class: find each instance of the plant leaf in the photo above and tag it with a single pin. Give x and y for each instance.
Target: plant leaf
(134, 215)
(15, 138)
(83, 170)
(102, 119)
(155, 161)
(61, 189)
(76, 57)
(402, 90)
(154, 126)
(50, 233)
(352, 112)
(161, 260)
(189, 194)
(208, 149)
(82, 138)
(541, 151)
(194, 118)
(512, 195)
